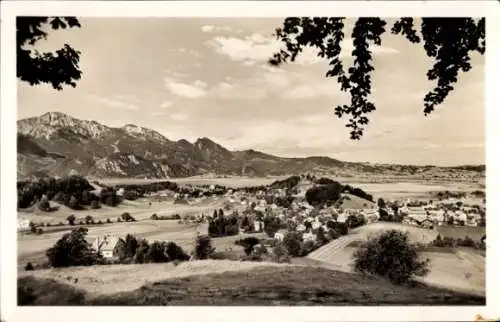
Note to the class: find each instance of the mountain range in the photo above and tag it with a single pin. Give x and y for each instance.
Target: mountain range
(56, 143)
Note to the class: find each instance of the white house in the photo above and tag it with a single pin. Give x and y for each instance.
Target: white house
(258, 225)
(309, 237)
(301, 227)
(23, 224)
(120, 192)
(107, 246)
(280, 235)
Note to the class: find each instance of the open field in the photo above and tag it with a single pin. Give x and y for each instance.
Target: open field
(106, 279)
(476, 233)
(411, 189)
(462, 269)
(232, 182)
(390, 189)
(262, 285)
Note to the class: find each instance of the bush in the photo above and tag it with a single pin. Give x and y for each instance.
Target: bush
(157, 253)
(175, 252)
(308, 247)
(71, 220)
(108, 221)
(45, 292)
(95, 204)
(293, 243)
(280, 253)
(127, 217)
(72, 250)
(29, 267)
(203, 248)
(141, 253)
(354, 221)
(248, 244)
(391, 256)
(154, 217)
(271, 225)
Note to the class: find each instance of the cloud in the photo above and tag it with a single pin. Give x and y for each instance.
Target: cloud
(252, 48)
(165, 104)
(118, 102)
(242, 90)
(159, 113)
(258, 47)
(180, 117)
(212, 28)
(256, 86)
(304, 91)
(194, 90)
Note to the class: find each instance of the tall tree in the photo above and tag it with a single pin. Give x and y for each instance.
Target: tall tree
(56, 68)
(449, 41)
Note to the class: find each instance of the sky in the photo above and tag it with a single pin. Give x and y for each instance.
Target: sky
(207, 77)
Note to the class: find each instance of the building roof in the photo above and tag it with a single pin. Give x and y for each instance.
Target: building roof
(106, 243)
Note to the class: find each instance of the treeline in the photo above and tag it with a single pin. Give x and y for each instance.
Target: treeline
(220, 225)
(287, 183)
(328, 192)
(72, 249)
(451, 242)
(74, 192)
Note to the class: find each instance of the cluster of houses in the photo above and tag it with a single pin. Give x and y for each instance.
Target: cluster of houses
(441, 213)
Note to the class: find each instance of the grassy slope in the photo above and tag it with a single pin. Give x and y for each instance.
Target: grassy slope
(285, 285)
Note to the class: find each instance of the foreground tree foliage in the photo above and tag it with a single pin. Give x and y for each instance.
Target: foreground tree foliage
(448, 41)
(56, 68)
(392, 256)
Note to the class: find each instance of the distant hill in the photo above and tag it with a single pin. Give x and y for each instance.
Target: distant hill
(55, 143)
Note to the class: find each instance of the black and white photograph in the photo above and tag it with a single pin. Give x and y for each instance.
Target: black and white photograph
(322, 160)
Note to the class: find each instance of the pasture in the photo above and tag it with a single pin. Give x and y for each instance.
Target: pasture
(229, 181)
(475, 233)
(461, 269)
(238, 283)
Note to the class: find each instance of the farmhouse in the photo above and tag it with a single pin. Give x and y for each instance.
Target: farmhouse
(107, 246)
(23, 224)
(280, 234)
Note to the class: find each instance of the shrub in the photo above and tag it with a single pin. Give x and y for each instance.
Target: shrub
(308, 247)
(29, 267)
(354, 221)
(271, 225)
(129, 248)
(141, 253)
(74, 203)
(293, 243)
(391, 256)
(280, 253)
(44, 206)
(72, 250)
(175, 252)
(154, 217)
(157, 253)
(45, 292)
(108, 221)
(248, 244)
(127, 217)
(95, 204)
(71, 220)
(466, 242)
(203, 248)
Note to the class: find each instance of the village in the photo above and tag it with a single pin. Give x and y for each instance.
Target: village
(292, 211)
